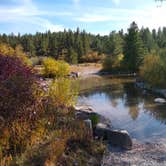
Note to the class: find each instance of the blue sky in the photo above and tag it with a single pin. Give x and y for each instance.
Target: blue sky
(95, 16)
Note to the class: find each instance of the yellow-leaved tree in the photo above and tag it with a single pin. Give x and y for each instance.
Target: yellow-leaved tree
(18, 52)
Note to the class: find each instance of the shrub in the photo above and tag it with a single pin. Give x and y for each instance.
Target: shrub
(92, 57)
(36, 60)
(153, 70)
(107, 64)
(6, 50)
(61, 93)
(20, 54)
(112, 63)
(20, 105)
(17, 87)
(95, 119)
(53, 68)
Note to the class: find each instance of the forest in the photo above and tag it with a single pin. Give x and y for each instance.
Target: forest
(118, 51)
(78, 46)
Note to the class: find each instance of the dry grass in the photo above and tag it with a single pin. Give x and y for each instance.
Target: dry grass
(64, 143)
(53, 138)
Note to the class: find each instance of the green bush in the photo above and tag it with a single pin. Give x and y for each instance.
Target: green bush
(92, 57)
(53, 68)
(153, 70)
(95, 119)
(112, 63)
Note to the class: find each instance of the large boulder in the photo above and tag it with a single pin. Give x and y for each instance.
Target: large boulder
(85, 115)
(101, 130)
(120, 138)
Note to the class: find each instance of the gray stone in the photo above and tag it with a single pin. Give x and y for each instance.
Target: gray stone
(120, 138)
(84, 115)
(74, 75)
(84, 109)
(88, 123)
(160, 100)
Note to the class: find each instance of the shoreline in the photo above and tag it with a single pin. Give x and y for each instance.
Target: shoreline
(151, 153)
(142, 153)
(156, 91)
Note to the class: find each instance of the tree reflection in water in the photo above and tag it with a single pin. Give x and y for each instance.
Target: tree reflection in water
(127, 105)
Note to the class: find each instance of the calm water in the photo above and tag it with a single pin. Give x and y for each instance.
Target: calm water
(126, 106)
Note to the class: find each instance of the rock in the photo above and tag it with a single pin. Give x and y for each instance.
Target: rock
(119, 138)
(88, 123)
(84, 109)
(84, 115)
(74, 75)
(160, 100)
(101, 130)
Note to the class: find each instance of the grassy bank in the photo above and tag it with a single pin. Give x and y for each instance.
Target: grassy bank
(37, 120)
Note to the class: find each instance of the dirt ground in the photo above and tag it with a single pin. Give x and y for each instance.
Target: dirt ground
(86, 69)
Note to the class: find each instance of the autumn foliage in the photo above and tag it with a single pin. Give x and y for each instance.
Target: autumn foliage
(17, 86)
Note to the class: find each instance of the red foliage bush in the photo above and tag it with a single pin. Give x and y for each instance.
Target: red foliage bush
(17, 88)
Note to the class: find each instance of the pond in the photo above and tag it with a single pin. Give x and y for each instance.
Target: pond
(127, 106)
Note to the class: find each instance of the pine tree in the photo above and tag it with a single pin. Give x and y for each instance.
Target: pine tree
(133, 50)
(73, 56)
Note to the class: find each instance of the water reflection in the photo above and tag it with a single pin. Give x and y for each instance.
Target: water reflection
(126, 106)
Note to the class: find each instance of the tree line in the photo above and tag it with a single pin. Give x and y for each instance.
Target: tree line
(79, 46)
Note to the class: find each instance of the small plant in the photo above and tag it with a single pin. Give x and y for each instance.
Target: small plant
(95, 120)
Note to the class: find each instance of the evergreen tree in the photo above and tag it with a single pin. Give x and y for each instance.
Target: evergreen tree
(116, 44)
(133, 50)
(148, 39)
(73, 56)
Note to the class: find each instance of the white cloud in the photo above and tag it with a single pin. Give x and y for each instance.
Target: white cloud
(116, 2)
(24, 15)
(25, 12)
(151, 16)
(99, 18)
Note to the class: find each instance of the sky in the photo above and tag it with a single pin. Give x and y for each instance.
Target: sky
(95, 16)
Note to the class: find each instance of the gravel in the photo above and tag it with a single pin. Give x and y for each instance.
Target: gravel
(142, 154)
